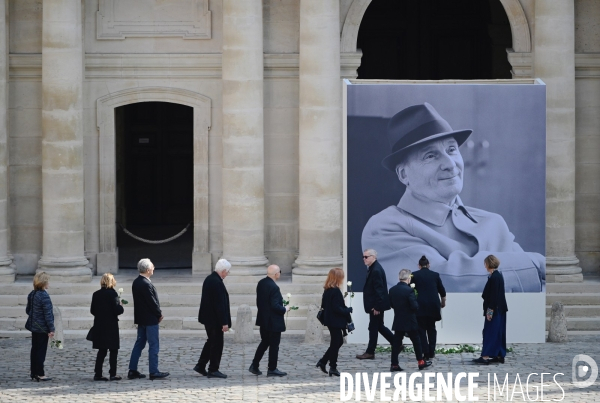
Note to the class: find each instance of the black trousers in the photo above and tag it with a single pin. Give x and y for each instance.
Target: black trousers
(39, 346)
(268, 340)
(376, 326)
(213, 348)
(428, 335)
(337, 339)
(414, 338)
(112, 360)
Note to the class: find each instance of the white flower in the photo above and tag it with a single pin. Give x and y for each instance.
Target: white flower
(289, 295)
(60, 346)
(412, 285)
(120, 290)
(349, 283)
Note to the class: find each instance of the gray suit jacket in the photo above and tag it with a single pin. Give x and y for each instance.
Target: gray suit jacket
(456, 240)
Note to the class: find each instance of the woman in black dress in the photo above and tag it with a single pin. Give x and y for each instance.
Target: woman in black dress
(106, 308)
(494, 310)
(337, 316)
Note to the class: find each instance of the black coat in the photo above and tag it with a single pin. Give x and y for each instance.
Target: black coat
(430, 288)
(493, 294)
(375, 292)
(269, 302)
(146, 307)
(106, 310)
(337, 314)
(404, 303)
(214, 304)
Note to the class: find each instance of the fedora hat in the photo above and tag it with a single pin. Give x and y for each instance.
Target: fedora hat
(414, 125)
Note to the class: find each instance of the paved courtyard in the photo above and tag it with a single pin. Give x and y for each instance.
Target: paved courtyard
(72, 370)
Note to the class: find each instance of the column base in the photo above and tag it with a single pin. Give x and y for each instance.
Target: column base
(69, 270)
(201, 264)
(7, 270)
(107, 262)
(563, 270)
(314, 270)
(246, 269)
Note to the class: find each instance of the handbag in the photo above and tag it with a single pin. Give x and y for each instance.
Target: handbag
(350, 326)
(90, 335)
(321, 316)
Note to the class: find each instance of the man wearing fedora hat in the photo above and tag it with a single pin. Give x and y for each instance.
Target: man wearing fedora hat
(432, 220)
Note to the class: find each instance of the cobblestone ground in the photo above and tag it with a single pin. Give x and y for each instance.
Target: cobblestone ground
(72, 370)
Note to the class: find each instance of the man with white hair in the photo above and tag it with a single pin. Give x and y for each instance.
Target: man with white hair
(146, 315)
(215, 316)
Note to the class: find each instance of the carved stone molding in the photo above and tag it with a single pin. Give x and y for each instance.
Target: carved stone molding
(119, 19)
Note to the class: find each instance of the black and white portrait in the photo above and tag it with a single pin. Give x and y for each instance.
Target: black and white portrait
(450, 172)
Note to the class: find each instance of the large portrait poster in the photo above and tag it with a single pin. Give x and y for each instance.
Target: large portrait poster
(451, 171)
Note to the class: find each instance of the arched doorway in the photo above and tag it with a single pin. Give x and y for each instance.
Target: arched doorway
(155, 182)
(434, 40)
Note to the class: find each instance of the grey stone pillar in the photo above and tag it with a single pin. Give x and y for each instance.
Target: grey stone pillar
(320, 233)
(62, 142)
(7, 268)
(243, 138)
(554, 63)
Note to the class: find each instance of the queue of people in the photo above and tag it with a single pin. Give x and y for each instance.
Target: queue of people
(417, 300)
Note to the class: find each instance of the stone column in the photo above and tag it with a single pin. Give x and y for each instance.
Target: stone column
(320, 233)
(7, 268)
(62, 142)
(554, 63)
(243, 138)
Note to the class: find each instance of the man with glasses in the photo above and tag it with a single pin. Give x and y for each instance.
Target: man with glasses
(376, 300)
(269, 318)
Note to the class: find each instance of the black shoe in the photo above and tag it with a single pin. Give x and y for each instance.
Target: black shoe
(334, 371)
(424, 364)
(40, 378)
(396, 368)
(481, 360)
(496, 359)
(216, 374)
(158, 375)
(132, 374)
(321, 365)
(276, 372)
(200, 370)
(115, 378)
(100, 378)
(254, 370)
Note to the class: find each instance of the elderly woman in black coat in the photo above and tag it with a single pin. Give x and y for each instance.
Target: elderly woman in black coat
(106, 308)
(337, 317)
(494, 310)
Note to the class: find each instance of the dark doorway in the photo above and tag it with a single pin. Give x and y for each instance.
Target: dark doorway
(155, 182)
(434, 40)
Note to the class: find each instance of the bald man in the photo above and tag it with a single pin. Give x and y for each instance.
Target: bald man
(271, 321)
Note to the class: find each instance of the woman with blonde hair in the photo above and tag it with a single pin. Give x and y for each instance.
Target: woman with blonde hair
(40, 323)
(106, 308)
(336, 318)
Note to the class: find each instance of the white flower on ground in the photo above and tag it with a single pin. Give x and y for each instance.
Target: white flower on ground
(412, 285)
(349, 283)
(60, 346)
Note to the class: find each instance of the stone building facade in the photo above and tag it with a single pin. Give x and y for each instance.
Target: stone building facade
(264, 80)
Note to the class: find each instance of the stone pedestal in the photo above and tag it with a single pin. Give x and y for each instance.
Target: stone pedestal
(244, 325)
(243, 138)
(7, 268)
(320, 138)
(557, 333)
(62, 143)
(554, 63)
(314, 329)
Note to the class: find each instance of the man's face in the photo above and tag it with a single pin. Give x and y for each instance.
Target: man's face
(150, 271)
(434, 170)
(368, 258)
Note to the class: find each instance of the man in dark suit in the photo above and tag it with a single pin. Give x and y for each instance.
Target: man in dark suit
(215, 316)
(404, 303)
(271, 321)
(375, 300)
(430, 289)
(147, 315)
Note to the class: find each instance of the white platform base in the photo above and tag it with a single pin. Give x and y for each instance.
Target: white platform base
(463, 319)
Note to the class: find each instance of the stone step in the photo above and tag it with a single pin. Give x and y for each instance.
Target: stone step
(578, 311)
(166, 300)
(582, 298)
(585, 324)
(172, 323)
(131, 333)
(588, 285)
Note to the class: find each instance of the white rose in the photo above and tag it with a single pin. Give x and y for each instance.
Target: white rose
(120, 290)
(289, 295)
(60, 346)
(412, 285)
(349, 283)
